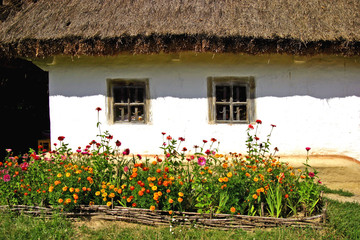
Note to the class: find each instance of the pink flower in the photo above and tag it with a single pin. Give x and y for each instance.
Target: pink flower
(139, 156)
(201, 161)
(8, 150)
(319, 182)
(126, 169)
(307, 149)
(258, 121)
(250, 126)
(7, 177)
(98, 109)
(311, 174)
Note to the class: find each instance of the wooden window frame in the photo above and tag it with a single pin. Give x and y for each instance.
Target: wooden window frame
(140, 83)
(247, 82)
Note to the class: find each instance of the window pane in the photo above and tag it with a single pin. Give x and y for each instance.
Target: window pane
(239, 94)
(137, 113)
(120, 94)
(223, 112)
(223, 93)
(239, 113)
(121, 114)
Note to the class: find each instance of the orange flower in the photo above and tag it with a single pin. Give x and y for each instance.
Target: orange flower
(180, 194)
(232, 209)
(256, 179)
(171, 201)
(180, 199)
(119, 191)
(76, 196)
(71, 189)
(225, 179)
(68, 200)
(60, 200)
(65, 188)
(247, 174)
(152, 208)
(108, 204)
(141, 193)
(229, 174)
(168, 190)
(170, 212)
(255, 196)
(57, 183)
(158, 170)
(111, 195)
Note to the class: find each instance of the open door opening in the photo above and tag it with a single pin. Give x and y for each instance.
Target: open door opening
(24, 96)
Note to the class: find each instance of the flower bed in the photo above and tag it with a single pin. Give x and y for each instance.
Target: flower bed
(203, 181)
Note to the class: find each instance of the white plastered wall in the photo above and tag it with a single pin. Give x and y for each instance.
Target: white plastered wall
(314, 101)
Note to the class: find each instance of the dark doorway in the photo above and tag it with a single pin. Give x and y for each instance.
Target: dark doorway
(24, 96)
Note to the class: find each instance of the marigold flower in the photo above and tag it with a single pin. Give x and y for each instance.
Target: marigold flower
(225, 179)
(68, 174)
(171, 201)
(76, 196)
(152, 208)
(59, 175)
(65, 188)
(154, 188)
(256, 179)
(60, 200)
(229, 174)
(232, 209)
(111, 195)
(286, 195)
(68, 200)
(255, 196)
(170, 212)
(97, 193)
(181, 194)
(108, 204)
(180, 199)
(71, 189)
(302, 176)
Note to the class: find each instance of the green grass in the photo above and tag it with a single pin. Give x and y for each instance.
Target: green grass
(343, 222)
(340, 192)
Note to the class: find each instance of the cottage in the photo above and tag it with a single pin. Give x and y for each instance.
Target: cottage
(195, 69)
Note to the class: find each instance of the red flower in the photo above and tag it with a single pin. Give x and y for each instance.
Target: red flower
(132, 188)
(251, 126)
(169, 137)
(126, 151)
(204, 141)
(110, 137)
(163, 133)
(213, 139)
(98, 109)
(273, 125)
(276, 149)
(207, 152)
(307, 149)
(181, 139)
(256, 138)
(184, 149)
(311, 174)
(118, 143)
(286, 195)
(61, 138)
(258, 121)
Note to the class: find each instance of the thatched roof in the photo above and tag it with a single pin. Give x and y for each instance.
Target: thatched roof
(107, 27)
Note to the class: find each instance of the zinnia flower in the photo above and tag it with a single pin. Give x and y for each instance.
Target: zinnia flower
(61, 138)
(7, 178)
(307, 149)
(250, 126)
(258, 121)
(126, 151)
(201, 161)
(232, 209)
(118, 143)
(126, 168)
(311, 174)
(98, 109)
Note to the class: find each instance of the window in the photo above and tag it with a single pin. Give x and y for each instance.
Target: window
(231, 99)
(128, 100)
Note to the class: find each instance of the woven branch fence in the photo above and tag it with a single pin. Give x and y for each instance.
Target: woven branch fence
(162, 218)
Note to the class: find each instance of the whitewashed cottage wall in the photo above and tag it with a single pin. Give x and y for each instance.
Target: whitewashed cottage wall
(314, 101)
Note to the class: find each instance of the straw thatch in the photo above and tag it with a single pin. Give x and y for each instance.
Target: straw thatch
(108, 27)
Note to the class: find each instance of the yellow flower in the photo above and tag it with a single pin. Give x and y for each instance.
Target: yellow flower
(154, 188)
(152, 208)
(111, 187)
(102, 190)
(180, 199)
(104, 199)
(229, 174)
(51, 188)
(103, 186)
(256, 179)
(220, 180)
(77, 190)
(65, 188)
(60, 200)
(97, 193)
(181, 194)
(171, 201)
(59, 175)
(71, 189)
(255, 196)
(68, 174)
(104, 194)
(108, 204)
(111, 195)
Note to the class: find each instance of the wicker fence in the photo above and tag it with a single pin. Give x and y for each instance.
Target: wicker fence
(158, 217)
